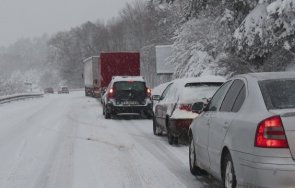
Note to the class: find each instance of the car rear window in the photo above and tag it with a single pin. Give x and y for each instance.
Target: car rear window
(193, 91)
(278, 94)
(129, 85)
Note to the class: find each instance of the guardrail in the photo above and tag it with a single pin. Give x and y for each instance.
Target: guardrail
(10, 98)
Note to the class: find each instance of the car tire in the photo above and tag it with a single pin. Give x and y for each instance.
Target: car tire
(148, 114)
(195, 170)
(103, 110)
(170, 137)
(107, 115)
(228, 172)
(169, 133)
(156, 128)
(175, 140)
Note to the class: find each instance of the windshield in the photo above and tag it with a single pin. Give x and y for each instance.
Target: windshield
(278, 94)
(194, 91)
(130, 85)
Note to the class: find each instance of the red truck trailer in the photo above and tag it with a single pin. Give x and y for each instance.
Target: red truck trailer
(107, 65)
(118, 64)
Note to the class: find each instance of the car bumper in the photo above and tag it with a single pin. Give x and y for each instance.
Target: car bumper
(265, 171)
(179, 127)
(113, 109)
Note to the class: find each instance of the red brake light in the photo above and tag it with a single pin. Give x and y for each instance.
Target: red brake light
(184, 123)
(187, 107)
(270, 134)
(149, 92)
(111, 93)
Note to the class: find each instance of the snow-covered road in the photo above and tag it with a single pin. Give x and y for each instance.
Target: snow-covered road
(63, 141)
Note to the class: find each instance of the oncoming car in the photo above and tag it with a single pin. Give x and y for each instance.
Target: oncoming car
(173, 113)
(245, 136)
(127, 95)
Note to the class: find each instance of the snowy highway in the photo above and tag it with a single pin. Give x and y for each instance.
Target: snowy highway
(63, 141)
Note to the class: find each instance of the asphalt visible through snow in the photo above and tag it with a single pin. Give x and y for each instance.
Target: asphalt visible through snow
(63, 141)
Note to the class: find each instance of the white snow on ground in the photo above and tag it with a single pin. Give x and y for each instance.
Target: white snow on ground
(64, 141)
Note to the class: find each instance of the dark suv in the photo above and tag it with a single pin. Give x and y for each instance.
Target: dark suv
(127, 95)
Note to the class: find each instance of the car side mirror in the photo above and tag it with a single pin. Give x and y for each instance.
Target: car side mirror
(156, 97)
(198, 107)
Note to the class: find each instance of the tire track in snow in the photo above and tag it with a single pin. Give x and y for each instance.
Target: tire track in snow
(17, 162)
(58, 172)
(165, 153)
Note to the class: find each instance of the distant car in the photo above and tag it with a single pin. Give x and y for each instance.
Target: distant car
(64, 90)
(173, 113)
(245, 136)
(48, 90)
(127, 95)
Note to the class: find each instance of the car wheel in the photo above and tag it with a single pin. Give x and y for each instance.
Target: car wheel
(103, 110)
(170, 136)
(156, 128)
(195, 170)
(228, 172)
(107, 115)
(149, 115)
(175, 140)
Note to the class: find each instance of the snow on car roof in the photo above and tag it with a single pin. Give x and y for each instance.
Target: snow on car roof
(180, 92)
(202, 79)
(270, 75)
(127, 78)
(158, 90)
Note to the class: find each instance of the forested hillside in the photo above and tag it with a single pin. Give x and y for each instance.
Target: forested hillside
(208, 37)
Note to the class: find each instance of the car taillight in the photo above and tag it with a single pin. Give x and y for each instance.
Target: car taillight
(270, 134)
(111, 93)
(183, 123)
(148, 92)
(187, 107)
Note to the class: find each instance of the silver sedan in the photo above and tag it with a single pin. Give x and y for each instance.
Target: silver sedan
(245, 136)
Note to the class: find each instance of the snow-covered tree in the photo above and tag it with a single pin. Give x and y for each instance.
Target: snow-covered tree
(266, 36)
(198, 45)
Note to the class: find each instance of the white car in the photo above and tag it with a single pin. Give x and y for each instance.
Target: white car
(245, 136)
(173, 114)
(157, 92)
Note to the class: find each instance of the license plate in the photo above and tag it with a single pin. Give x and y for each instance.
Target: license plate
(129, 102)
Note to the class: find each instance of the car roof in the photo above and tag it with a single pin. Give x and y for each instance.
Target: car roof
(158, 90)
(201, 79)
(127, 78)
(259, 76)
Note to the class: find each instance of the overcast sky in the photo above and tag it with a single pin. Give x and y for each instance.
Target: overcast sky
(31, 18)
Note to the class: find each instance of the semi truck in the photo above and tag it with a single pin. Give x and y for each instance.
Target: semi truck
(99, 70)
(91, 76)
